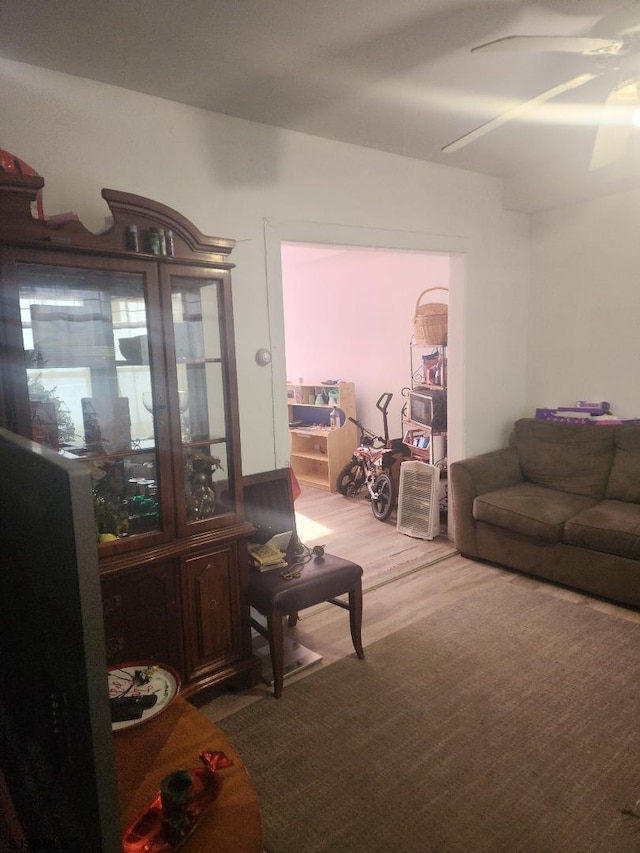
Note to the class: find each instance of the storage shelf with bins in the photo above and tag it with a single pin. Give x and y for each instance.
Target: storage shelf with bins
(318, 453)
(425, 413)
(120, 354)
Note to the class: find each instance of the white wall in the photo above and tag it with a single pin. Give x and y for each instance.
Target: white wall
(259, 185)
(348, 315)
(585, 309)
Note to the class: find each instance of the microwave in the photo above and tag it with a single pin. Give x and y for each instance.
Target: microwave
(428, 406)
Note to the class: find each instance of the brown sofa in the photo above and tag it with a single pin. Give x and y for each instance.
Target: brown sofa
(561, 502)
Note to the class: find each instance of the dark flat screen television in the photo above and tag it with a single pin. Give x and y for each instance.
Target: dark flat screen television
(56, 743)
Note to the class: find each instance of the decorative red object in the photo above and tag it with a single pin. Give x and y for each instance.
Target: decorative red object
(295, 485)
(12, 165)
(149, 832)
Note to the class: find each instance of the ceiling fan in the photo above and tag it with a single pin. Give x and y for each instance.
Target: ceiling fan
(614, 44)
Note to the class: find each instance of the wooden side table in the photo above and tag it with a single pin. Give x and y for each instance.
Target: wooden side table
(173, 740)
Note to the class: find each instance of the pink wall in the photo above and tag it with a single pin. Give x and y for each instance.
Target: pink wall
(349, 313)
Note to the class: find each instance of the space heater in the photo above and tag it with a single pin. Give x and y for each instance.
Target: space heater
(419, 500)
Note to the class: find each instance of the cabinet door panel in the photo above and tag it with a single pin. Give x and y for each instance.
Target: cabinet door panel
(86, 365)
(211, 609)
(203, 412)
(141, 615)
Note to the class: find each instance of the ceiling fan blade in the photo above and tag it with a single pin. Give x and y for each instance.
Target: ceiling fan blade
(561, 44)
(514, 113)
(616, 125)
(622, 22)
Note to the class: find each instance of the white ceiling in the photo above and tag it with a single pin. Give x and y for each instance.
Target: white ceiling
(393, 75)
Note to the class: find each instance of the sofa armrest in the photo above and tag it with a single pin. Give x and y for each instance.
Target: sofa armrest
(474, 476)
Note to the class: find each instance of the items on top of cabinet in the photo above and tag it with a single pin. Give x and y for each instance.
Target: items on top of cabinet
(19, 191)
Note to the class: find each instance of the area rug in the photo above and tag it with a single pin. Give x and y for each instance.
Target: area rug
(506, 722)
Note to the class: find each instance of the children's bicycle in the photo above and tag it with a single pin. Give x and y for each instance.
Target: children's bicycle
(370, 466)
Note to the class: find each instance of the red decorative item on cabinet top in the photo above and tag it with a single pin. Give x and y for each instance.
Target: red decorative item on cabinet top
(12, 165)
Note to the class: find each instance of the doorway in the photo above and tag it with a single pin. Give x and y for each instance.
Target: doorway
(348, 314)
(457, 248)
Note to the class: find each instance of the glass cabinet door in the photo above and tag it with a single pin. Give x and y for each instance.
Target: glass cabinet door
(200, 397)
(85, 337)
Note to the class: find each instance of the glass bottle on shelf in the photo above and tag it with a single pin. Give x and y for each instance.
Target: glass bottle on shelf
(185, 426)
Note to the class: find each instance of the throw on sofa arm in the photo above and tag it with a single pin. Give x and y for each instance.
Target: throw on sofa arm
(475, 476)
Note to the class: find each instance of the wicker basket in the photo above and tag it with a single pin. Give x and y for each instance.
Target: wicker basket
(430, 321)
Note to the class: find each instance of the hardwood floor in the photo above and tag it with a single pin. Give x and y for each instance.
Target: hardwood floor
(348, 528)
(392, 599)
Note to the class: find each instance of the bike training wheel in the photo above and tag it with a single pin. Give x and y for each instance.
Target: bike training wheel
(350, 480)
(382, 506)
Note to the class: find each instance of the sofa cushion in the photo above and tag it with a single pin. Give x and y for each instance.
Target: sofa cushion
(612, 527)
(529, 509)
(624, 480)
(573, 458)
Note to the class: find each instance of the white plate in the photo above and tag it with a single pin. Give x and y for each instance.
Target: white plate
(163, 681)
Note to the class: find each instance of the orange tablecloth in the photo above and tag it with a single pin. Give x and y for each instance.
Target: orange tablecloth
(146, 753)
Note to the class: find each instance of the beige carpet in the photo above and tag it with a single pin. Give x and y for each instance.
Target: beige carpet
(506, 722)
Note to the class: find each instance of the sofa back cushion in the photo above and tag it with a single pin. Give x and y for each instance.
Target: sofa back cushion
(575, 458)
(624, 481)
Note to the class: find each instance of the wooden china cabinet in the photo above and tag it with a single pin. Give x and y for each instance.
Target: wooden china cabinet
(117, 349)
